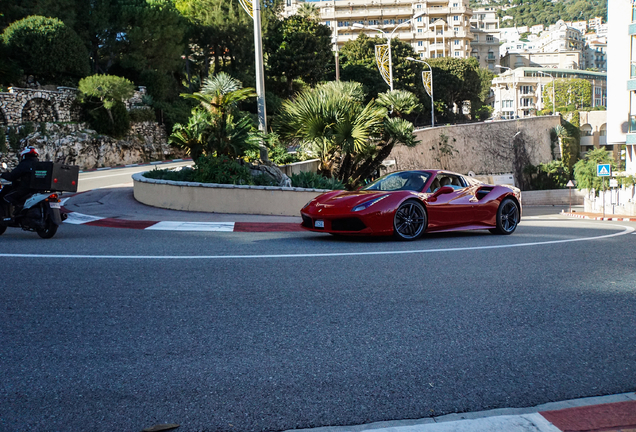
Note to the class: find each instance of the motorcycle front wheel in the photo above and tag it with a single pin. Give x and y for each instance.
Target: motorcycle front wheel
(49, 229)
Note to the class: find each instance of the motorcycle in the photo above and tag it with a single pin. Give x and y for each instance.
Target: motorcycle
(40, 213)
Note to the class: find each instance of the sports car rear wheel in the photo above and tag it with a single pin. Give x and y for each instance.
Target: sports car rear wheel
(409, 221)
(507, 217)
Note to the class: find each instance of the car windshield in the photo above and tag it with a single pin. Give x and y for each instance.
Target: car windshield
(408, 180)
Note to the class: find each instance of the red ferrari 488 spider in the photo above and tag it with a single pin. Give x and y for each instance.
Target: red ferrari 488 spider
(410, 203)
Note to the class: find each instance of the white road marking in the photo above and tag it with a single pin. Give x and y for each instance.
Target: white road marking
(193, 226)
(79, 218)
(627, 230)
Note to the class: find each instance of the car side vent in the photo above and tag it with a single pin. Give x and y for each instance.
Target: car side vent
(481, 193)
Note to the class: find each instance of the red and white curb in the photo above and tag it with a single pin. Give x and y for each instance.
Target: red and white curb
(614, 413)
(617, 219)
(75, 218)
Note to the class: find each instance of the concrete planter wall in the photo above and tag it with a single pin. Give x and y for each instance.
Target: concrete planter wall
(222, 198)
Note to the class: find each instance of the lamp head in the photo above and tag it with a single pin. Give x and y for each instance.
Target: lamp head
(357, 25)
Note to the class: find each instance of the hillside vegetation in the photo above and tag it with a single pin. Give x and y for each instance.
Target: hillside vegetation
(532, 12)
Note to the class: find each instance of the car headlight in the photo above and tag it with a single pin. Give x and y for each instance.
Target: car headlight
(366, 205)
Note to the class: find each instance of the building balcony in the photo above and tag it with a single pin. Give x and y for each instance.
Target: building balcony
(587, 141)
(435, 10)
(437, 47)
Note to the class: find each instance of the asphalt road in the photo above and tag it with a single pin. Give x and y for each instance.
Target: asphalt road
(276, 331)
(118, 176)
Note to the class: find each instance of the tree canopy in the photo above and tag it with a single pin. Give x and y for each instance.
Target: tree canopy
(46, 48)
(546, 12)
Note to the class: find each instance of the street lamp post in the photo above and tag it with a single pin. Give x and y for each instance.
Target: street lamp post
(427, 86)
(514, 88)
(336, 51)
(253, 8)
(553, 92)
(388, 40)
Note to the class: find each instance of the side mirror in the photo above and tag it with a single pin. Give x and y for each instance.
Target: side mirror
(441, 191)
(444, 190)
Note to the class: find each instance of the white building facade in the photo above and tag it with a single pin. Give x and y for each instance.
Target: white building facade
(621, 59)
(437, 28)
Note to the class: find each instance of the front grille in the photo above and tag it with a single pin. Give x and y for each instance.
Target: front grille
(307, 223)
(348, 224)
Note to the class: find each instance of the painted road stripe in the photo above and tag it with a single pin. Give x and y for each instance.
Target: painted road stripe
(80, 219)
(193, 226)
(626, 230)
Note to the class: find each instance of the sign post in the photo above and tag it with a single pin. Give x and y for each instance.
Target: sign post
(603, 170)
(570, 185)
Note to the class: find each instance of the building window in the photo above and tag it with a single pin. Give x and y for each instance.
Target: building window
(328, 23)
(419, 19)
(420, 30)
(419, 6)
(527, 89)
(489, 38)
(476, 38)
(455, 17)
(420, 43)
(288, 2)
(457, 54)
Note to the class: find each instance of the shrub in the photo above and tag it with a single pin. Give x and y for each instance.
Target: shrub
(47, 49)
(551, 175)
(108, 89)
(139, 115)
(221, 170)
(184, 174)
(312, 180)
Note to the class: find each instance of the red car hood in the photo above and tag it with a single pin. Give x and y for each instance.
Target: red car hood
(348, 199)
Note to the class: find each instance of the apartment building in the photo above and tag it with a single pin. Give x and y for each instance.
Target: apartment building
(621, 97)
(555, 60)
(441, 28)
(519, 92)
(484, 24)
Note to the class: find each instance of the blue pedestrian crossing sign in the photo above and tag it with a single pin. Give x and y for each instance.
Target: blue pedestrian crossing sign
(603, 170)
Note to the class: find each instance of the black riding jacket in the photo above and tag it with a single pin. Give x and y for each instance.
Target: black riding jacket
(21, 175)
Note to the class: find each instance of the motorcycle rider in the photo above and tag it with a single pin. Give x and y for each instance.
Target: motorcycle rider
(20, 178)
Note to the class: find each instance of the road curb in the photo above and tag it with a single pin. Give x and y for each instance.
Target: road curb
(573, 415)
(600, 218)
(75, 218)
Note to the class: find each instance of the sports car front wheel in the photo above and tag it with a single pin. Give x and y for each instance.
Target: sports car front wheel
(409, 221)
(507, 217)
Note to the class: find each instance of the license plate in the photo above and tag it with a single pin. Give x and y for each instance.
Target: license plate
(54, 205)
(320, 224)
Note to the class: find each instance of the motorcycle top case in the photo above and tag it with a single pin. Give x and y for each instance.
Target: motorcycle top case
(54, 177)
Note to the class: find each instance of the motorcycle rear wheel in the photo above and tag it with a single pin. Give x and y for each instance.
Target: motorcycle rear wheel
(49, 229)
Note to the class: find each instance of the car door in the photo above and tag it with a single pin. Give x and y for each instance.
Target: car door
(450, 210)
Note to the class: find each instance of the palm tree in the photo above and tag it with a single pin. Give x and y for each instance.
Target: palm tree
(399, 102)
(228, 130)
(309, 11)
(350, 138)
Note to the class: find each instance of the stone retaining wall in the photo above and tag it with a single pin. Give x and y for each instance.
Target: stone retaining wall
(222, 198)
(76, 144)
(552, 197)
(483, 148)
(22, 105)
